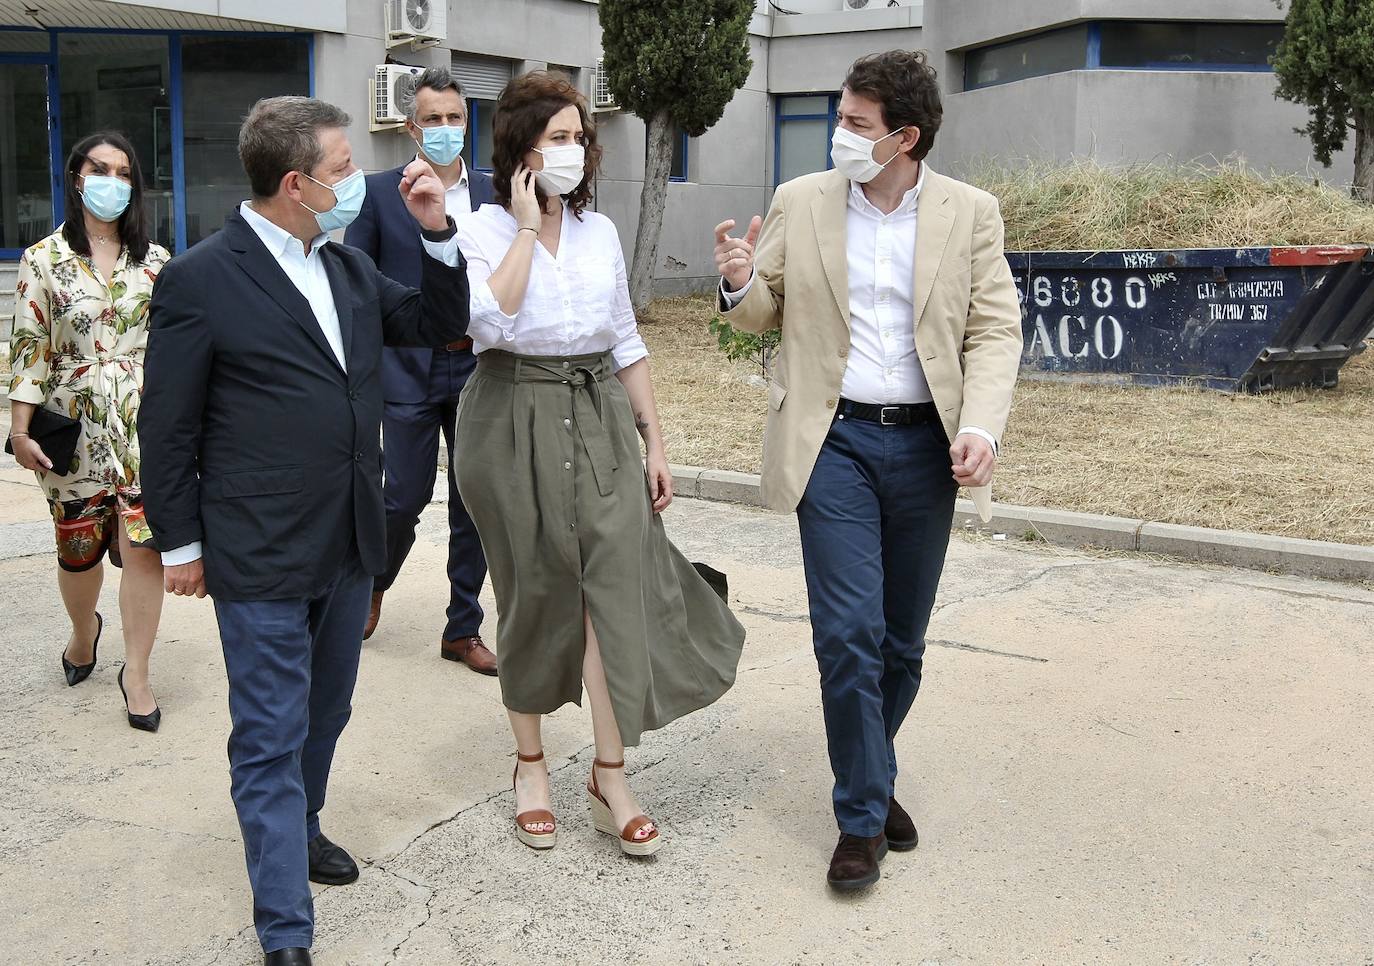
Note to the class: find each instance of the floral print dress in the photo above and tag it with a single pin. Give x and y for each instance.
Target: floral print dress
(77, 349)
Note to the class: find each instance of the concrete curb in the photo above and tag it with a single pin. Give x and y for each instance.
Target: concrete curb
(1307, 558)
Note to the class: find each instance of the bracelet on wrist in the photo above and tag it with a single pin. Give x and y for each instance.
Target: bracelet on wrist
(523, 228)
(20, 436)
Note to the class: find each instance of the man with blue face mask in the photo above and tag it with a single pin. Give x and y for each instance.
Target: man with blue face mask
(421, 386)
(901, 338)
(262, 468)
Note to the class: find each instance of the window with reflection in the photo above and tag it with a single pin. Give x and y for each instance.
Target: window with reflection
(223, 77)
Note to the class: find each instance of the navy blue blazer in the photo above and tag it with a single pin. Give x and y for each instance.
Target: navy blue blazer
(254, 439)
(385, 230)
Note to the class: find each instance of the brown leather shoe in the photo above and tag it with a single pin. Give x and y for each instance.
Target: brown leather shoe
(854, 865)
(374, 615)
(470, 651)
(900, 829)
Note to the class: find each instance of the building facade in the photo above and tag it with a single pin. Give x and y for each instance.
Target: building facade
(1119, 80)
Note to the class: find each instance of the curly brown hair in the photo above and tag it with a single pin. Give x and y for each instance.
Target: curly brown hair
(903, 82)
(522, 113)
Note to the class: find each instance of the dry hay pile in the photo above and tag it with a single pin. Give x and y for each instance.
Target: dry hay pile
(1084, 206)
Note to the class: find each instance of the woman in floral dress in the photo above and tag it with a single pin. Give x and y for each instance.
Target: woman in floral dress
(80, 331)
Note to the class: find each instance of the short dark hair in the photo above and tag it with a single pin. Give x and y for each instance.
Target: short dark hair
(431, 78)
(522, 113)
(132, 225)
(903, 82)
(282, 134)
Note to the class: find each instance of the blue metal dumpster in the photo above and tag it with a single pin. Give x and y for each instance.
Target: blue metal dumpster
(1234, 319)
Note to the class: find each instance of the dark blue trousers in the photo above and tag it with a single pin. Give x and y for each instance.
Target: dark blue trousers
(292, 665)
(410, 444)
(874, 523)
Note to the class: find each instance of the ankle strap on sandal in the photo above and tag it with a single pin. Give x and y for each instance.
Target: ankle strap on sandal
(529, 759)
(598, 763)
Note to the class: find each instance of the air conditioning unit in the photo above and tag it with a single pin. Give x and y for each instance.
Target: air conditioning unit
(602, 98)
(859, 4)
(417, 22)
(388, 84)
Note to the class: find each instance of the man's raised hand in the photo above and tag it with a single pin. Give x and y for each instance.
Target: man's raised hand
(423, 194)
(735, 256)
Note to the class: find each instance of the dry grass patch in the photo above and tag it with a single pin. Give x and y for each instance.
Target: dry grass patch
(1084, 206)
(1298, 463)
(712, 416)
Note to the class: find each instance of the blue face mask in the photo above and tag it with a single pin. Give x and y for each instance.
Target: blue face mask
(348, 201)
(104, 197)
(442, 144)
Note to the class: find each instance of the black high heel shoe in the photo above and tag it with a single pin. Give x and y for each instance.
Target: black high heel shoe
(76, 673)
(143, 722)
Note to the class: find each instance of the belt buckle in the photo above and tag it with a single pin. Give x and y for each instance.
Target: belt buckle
(883, 419)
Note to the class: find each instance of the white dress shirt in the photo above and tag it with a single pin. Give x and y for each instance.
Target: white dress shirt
(883, 367)
(306, 271)
(577, 302)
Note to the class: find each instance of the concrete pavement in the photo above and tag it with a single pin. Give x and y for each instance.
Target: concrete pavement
(1112, 761)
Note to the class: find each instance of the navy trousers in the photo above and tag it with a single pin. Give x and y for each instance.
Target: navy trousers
(292, 665)
(410, 444)
(874, 523)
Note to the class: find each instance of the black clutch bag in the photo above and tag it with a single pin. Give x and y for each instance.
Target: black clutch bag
(57, 434)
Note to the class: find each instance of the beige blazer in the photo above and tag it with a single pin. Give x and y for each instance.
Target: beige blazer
(967, 317)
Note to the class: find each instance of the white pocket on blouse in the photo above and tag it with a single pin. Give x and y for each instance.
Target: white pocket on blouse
(596, 282)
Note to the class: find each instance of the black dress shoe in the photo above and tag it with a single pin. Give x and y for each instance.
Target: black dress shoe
(854, 865)
(900, 829)
(287, 957)
(330, 865)
(143, 722)
(76, 673)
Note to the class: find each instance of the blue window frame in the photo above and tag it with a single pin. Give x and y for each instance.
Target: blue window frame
(17, 49)
(1125, 45)
(678, 170)
(477, 143)
(802, 128)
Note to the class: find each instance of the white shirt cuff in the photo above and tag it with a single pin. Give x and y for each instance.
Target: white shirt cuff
(444, 251)
(486, 321)
(182, 555)
(992, 440)
(731, 299)
(629, 351)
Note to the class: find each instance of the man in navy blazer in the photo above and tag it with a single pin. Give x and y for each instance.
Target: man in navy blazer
(421, 386)
(261, 468)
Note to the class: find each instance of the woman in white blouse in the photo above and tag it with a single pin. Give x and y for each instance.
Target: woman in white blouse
(589, 590)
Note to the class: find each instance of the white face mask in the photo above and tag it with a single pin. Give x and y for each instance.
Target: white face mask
(564, 166)
(853, 154)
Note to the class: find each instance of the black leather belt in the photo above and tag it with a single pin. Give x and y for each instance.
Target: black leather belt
(905, 414)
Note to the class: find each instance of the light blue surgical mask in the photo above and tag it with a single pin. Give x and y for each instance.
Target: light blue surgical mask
(442, 144)
(104, 197)
(348, 201)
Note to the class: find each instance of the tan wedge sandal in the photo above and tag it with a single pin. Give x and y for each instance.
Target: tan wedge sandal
(631, 842)
(535, 816)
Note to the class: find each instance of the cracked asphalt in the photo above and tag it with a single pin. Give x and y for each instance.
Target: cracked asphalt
(1112, 760)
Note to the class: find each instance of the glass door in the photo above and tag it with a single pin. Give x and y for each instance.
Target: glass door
(25, 156)
(122, 82)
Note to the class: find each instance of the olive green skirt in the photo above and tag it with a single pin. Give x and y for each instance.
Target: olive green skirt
(551, 472)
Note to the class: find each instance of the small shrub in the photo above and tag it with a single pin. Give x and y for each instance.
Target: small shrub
(758, 349)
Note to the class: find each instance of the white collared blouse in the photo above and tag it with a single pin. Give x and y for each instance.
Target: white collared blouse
(577, 303)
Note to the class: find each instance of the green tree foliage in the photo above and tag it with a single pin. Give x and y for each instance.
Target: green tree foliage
(676, 65)
(1326, 61)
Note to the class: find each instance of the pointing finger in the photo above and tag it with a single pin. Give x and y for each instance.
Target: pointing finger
(755, 224)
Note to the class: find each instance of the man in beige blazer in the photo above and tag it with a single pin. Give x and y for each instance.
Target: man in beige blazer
(901, 332)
